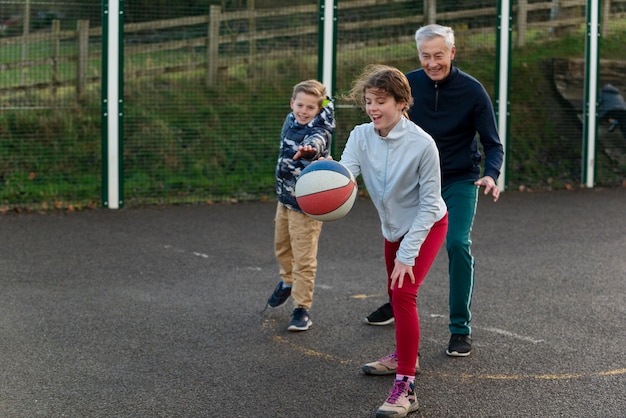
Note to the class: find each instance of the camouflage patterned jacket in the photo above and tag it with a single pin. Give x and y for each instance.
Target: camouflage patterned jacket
(318, 133)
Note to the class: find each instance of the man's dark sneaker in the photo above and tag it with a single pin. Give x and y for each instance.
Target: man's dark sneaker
(381, 316)
(301, 320)
(280, 295)
(460, 345)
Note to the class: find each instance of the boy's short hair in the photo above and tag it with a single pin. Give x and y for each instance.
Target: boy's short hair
(312, 87)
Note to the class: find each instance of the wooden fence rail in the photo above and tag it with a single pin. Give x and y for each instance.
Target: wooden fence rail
(571, 15)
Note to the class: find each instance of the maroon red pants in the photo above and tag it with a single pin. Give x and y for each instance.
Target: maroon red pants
(404, 300)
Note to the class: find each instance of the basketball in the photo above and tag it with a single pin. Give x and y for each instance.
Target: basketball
(326, 190)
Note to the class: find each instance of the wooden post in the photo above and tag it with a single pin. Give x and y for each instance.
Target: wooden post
(56, 51)
(522, 22)
(25, 32)
(213, 45)
(83, 58)
(252, 30)
(430, 11)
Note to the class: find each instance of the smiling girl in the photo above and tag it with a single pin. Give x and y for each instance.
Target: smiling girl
(399, 163)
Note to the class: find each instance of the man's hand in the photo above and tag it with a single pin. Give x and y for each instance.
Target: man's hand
(490, 186)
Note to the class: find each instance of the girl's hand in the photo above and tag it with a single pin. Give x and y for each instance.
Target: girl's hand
(399, 271)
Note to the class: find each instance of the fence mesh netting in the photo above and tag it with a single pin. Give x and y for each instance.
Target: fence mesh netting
(207, 88)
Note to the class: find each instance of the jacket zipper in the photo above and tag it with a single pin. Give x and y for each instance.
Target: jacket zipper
(436, 97)
(384, 191)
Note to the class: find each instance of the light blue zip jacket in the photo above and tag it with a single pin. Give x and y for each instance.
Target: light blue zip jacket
(403, 178)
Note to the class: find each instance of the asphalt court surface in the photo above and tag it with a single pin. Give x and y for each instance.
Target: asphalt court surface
(157, 312)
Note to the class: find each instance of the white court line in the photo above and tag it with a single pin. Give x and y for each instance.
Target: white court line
(200, 255)
(511, 334)
(499, 331)
(203, 255)
(179, 250)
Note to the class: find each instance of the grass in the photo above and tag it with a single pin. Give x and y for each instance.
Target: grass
(188, 142)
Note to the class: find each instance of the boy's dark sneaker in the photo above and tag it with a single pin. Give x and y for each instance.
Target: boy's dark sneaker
(279, 296)
(460, 345)
(301, 320)
(381, 316)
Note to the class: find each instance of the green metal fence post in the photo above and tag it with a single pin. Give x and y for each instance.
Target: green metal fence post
(112, 103)
(503, 71)
(592, 60)
(327, 48)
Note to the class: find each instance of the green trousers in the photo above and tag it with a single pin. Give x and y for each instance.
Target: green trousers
(461, 198)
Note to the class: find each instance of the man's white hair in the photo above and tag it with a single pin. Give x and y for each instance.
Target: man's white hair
(428, 32)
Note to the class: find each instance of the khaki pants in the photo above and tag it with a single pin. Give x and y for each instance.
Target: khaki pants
(296, 236)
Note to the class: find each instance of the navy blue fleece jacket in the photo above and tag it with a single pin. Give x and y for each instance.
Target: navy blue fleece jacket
(455, 111)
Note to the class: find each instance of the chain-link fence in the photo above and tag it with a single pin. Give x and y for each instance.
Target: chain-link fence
(207, 87)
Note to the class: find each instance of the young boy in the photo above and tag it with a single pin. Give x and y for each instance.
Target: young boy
(305, 137)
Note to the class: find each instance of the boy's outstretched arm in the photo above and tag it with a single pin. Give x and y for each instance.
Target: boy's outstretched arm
(305, 151)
